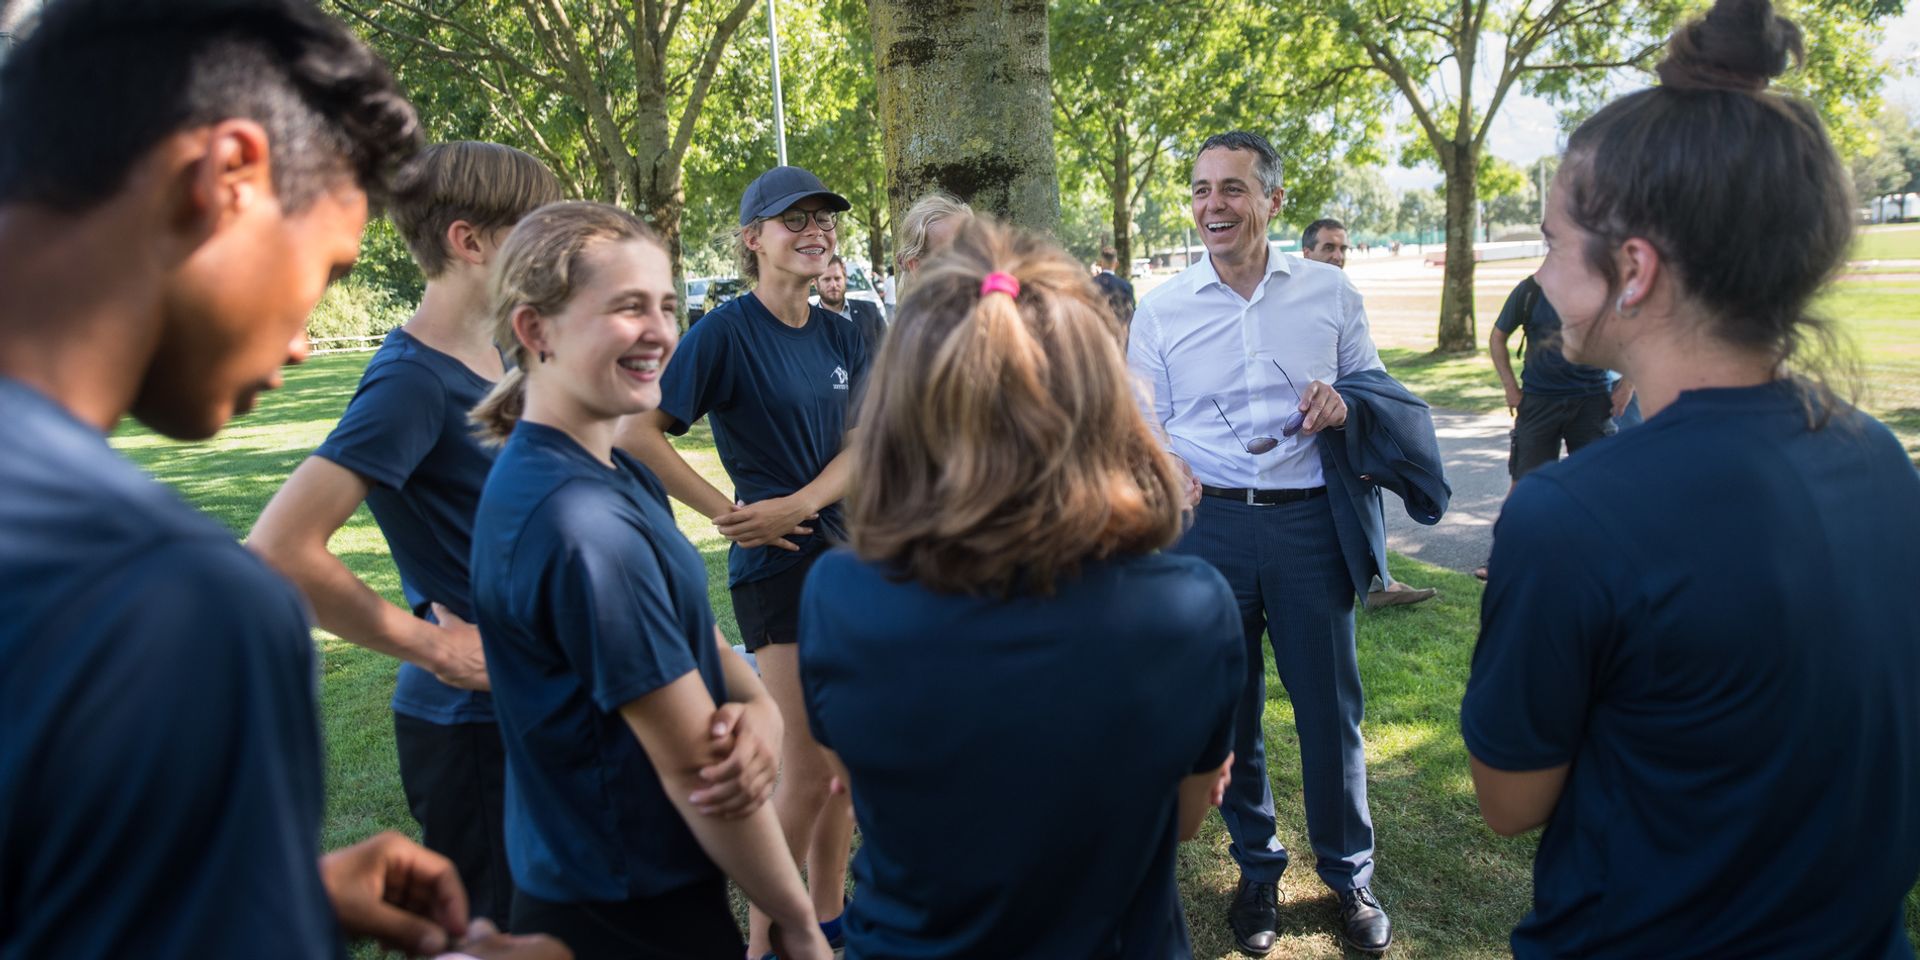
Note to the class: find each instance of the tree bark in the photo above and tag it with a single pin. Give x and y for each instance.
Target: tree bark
(1457, 329)
(965, 105)
(1122, 198)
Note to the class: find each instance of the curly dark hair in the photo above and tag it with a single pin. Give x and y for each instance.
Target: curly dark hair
(99, 82)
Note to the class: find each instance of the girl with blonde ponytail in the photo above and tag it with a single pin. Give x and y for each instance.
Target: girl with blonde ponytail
(1005, 589)
(605, 661)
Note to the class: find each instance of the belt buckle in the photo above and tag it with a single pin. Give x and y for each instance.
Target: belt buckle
(1253, 497)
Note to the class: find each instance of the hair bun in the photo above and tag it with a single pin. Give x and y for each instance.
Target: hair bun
(1739, 45)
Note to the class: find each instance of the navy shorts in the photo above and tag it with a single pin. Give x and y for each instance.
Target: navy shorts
(768, 609)
(1543, 423)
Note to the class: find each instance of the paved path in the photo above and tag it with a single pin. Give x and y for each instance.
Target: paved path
(1474, 448)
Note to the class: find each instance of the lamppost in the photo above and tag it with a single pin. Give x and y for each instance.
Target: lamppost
(779, 106)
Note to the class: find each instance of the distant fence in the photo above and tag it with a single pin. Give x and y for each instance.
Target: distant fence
(325, 345)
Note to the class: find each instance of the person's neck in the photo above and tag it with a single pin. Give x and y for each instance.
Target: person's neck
(1661, 367)
(80, 311)
(837, 306)
(453, 318)
(550, 408)
(785, 296)
(1242, 271)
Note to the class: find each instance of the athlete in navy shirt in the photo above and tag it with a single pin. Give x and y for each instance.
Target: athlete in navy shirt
(777, 378)
(1697, 656)
(405, 448)
(1030, 705)
(605, 661)
(160, 778)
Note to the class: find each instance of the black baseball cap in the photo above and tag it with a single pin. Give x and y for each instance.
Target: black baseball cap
(771, 193)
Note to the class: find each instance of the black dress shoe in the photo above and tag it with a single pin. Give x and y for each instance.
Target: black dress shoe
(1363, 924)
(1254, 915)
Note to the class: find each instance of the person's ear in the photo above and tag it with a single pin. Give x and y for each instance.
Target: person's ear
(1276, 200)
(1638, 264)
(531, 329)
(226, 174)
(466, 243)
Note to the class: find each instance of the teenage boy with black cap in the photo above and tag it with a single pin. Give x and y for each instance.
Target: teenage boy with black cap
(779, 377)
(179, 182)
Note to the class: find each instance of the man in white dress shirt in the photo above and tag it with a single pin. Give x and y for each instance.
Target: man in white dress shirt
(1237, 353)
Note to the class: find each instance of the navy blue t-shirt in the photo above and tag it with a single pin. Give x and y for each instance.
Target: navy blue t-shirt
(160, 779)
(1016, 763)
(1709, 617)
(780, 400)
(589, 598)
(406, 433)
(1546, 371)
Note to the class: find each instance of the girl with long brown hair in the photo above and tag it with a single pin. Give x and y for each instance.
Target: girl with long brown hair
(1030, 702)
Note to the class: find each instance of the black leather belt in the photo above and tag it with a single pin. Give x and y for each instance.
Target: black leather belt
(1262, 498)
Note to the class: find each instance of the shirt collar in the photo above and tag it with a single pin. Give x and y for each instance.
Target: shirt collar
(1205, 275)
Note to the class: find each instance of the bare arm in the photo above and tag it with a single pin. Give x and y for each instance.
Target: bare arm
(291, 535)
(747, 731)
(671, 725)
(645, 436)
(1513, 802)
(758, 524)
(1503, 365)
(1201, 792)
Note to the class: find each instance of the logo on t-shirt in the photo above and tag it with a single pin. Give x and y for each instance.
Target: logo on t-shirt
(840, 378)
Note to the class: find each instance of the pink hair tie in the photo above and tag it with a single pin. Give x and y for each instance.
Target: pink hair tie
(1000, 283)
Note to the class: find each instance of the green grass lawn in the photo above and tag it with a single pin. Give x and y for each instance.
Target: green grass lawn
(1454, 889)
(1878, 318)
(1890, 242)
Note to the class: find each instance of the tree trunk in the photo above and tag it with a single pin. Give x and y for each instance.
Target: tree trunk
(965, 105)
(1457, 332)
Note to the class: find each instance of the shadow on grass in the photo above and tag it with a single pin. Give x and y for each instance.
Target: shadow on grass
(1452, 381)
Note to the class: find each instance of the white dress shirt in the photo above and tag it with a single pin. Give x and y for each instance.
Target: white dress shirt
(1195, 341)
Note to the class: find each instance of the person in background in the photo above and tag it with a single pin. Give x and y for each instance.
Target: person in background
(1557, 401)
(926, 229)
(1325, 241)
(1713, 684)
(777, 377)
(179, 183)
(863, 315)
(1118, 291)
(971, 550)
(606, 663)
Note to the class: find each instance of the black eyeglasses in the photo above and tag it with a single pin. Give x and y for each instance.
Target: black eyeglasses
(1260, 445)
(796, 220)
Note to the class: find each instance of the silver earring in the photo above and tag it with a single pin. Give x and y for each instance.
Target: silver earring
(1620, 305)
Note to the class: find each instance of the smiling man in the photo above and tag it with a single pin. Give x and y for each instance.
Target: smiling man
(1238, 351)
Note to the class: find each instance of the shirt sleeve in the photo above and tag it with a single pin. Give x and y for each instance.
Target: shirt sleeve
(392, 423)
(1510, 318)
(607, 591)
(1227, 638)
(1357, 351)
(1149, 366)
(1545, 630)
(700, 377)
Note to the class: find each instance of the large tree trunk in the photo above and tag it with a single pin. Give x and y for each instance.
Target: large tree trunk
(965, 105)
(1457, 332)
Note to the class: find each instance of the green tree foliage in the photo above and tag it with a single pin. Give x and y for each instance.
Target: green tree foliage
(1138, 84)
(1888, 159)
(1455, 62)
(1363, 201)
(608, 94)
